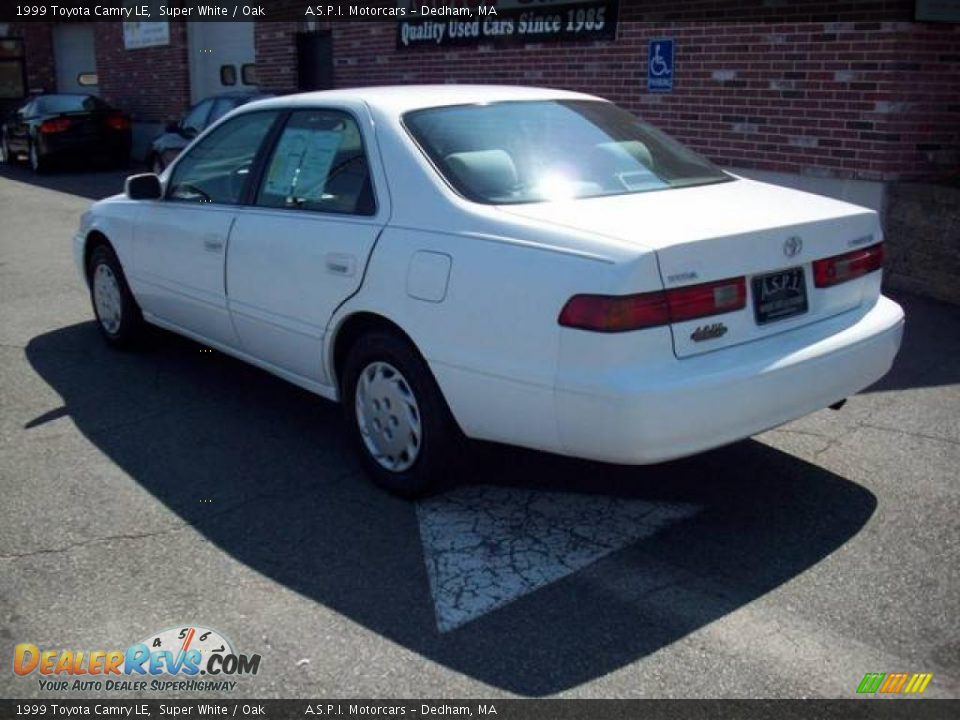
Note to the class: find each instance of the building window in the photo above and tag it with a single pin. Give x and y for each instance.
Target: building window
(249, 74)
(88, 79)
(13, 84)
(228, 75)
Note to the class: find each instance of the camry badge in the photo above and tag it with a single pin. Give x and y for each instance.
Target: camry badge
(709, 332)
(792, 246)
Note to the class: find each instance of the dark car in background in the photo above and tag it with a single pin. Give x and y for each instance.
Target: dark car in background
(49, 128)
(178, 135)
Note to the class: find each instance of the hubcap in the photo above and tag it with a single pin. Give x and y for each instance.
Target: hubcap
(107, 298)
(388, 416)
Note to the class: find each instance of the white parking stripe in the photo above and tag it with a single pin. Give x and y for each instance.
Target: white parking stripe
(485, 546)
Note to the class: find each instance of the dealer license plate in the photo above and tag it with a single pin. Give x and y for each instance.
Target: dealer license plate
(779, 295)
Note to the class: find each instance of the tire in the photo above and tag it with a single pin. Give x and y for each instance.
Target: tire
(118, 315)
(391, 401)
(38, 163)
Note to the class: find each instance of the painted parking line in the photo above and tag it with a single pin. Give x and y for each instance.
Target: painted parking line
(486, 546)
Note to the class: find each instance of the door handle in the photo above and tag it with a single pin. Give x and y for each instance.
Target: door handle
(213, 245)
(340, 264)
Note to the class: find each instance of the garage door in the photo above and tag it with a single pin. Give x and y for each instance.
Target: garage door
(221, 58)
(75, 58)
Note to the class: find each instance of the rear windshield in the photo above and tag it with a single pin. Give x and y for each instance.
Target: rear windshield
(534, 151)
(68, 103)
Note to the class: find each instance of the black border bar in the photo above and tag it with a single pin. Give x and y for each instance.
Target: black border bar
(15, 11)
(344, 709)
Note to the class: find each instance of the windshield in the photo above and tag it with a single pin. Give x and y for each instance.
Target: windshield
(534, 151)
(49, 104)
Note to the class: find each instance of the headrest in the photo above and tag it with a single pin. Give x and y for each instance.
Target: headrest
(486, 172)
(629, 149)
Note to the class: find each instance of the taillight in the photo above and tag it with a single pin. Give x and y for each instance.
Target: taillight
(55, 125)
(610, 313)
(713, 298)
(620, 313)
(118, 122)
(840, 268)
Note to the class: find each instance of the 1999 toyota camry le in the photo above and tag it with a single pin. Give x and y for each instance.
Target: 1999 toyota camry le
(521, 265)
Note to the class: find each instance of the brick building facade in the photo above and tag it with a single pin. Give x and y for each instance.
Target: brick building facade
(871, 100)
(835, 99)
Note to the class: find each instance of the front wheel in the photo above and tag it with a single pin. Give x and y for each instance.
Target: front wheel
(118, 314)
(401, 426)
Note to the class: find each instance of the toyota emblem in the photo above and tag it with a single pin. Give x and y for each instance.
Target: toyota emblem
(792, 246)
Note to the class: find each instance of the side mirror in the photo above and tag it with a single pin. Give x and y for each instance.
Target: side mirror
(143, 187)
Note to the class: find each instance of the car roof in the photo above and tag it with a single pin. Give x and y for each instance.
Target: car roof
(398, 99)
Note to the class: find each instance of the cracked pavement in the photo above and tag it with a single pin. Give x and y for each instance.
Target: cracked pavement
(140, 491)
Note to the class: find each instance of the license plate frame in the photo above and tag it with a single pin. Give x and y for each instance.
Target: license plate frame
(779, 295)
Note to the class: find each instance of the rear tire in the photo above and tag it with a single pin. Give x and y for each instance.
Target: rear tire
(118, 315)
(400, 424)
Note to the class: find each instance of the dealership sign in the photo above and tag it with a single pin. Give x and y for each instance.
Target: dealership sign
(470, 22)
(145, 34)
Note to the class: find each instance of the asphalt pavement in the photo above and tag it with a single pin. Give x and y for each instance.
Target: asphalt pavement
(174, 486)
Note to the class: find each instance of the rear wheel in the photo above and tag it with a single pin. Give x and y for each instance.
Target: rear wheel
(401, 426)
(118, 314)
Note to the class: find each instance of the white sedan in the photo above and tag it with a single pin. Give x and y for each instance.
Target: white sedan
(521, 265)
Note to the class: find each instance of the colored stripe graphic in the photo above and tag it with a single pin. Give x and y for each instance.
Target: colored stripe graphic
(918, 683)
(871, 682)
(894, 683)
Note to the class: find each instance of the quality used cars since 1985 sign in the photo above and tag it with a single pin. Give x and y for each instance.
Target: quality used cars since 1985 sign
(470, 22)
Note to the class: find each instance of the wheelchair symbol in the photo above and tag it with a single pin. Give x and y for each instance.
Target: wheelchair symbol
(658, 66)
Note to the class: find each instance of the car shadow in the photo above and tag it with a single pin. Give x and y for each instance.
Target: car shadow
(74, 178)
(262, 470)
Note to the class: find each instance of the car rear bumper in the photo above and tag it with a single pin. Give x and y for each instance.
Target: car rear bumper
(86, 146)
(709, 400)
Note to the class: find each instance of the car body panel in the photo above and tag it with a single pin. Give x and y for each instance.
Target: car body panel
(485, 319)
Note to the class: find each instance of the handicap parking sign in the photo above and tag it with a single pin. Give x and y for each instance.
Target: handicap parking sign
(660, 65)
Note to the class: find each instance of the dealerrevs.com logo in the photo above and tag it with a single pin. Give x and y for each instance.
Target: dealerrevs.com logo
(180, 658)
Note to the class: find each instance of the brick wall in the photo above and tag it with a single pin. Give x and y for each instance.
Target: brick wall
(873, 99)
(149, 83)
(38, 48)
(276, 53)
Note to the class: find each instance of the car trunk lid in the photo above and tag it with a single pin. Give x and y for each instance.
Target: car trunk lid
(765, 234)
